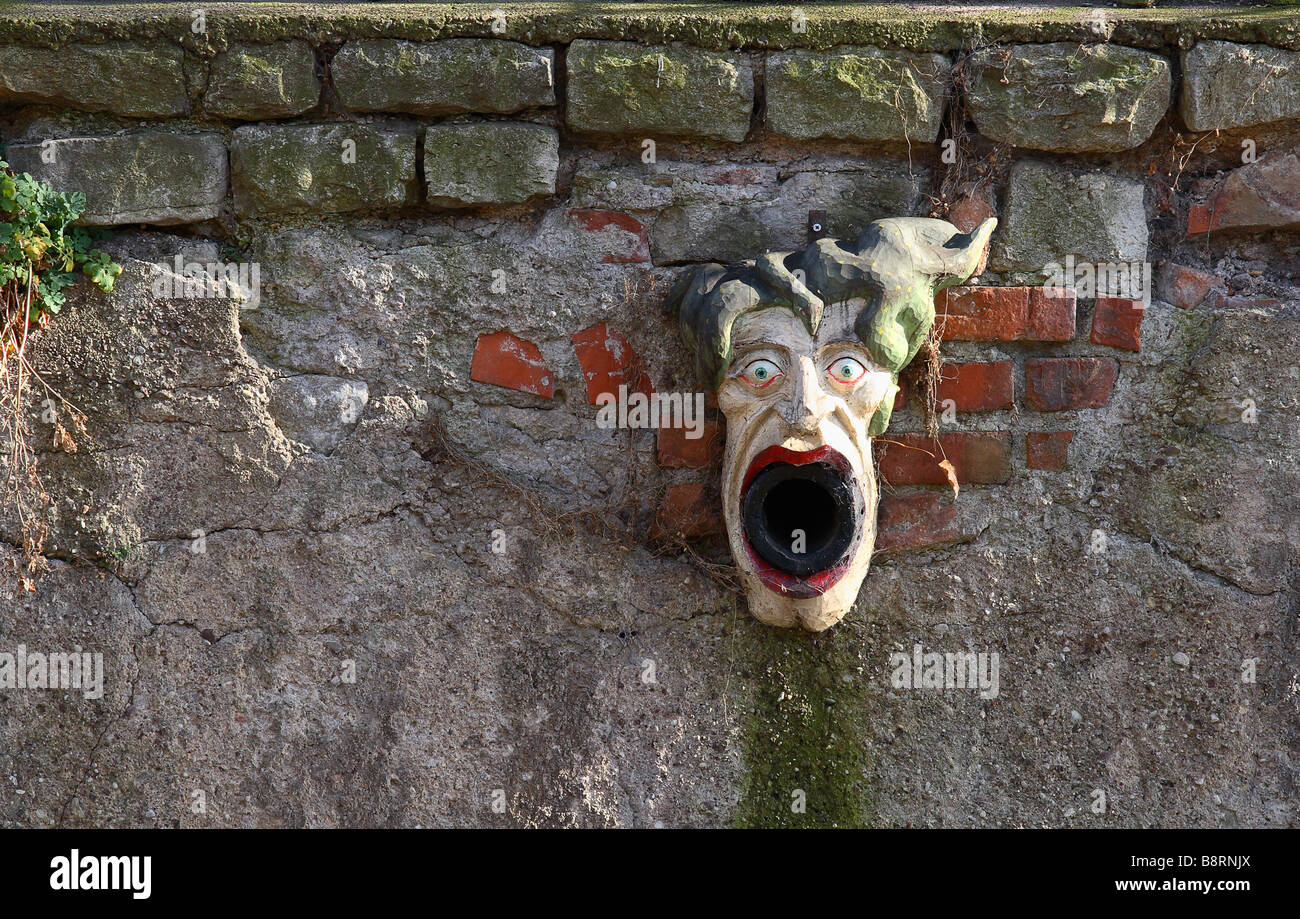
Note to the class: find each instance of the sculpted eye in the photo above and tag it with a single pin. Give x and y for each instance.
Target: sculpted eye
(846, 370)
(760, 374)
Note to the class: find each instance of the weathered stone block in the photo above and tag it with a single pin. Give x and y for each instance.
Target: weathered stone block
(856, 93)
(255, 81)
(331, 168)
(1229, 85)
(144, 177)
(1052, 212)
(704, 232)
(127, 78)
(707, 230)
(489, 163)
(1068, 97)
(444, 77)
(624, 87)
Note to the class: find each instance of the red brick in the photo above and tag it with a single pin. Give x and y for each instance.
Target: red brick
(1200, 219)
(1051, 314)
(629, 249)
(977, 387)
(741, 175)
(1117, 322)
(914, 521)
(1259, 196)
(1185, 287)
(969, 211)
(691, 510)
(1006, 314)
(1057, 384)
(676, 450)
(913, 459)
(1048, 449)
(900, 397)
(983, 313)
(501, 359)
(608, 361)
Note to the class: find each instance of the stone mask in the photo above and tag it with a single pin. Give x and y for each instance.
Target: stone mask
(804, 350)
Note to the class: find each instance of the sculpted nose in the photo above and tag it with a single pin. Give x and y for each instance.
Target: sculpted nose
(808, 404)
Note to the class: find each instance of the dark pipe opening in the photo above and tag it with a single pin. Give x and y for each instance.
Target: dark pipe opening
(816, 499)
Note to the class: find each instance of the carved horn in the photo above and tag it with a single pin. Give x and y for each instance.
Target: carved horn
(918, 245)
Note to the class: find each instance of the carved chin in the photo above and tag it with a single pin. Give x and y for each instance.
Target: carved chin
(812, 581)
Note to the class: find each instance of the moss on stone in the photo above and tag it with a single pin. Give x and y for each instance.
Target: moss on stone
(490, 162)
(804, 728)
(287, 169)
(442, 78)
(856, 93)
(706, 25)
(670, 89)
(137, 79)
(263, 81)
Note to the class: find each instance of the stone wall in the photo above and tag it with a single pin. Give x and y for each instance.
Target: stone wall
(356, 552)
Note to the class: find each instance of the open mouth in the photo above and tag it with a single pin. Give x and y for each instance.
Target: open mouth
(801, 514)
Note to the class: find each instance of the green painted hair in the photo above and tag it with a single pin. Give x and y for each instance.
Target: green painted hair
(896, 265)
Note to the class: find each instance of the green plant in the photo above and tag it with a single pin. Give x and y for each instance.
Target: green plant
(41, 255)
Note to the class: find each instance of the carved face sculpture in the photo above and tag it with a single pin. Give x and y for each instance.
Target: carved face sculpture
(804, 351)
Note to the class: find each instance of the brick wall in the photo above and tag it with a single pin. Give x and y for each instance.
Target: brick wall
(476, 222)
(389, 126)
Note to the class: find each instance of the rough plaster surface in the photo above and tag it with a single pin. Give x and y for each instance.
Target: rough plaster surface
(362, 540)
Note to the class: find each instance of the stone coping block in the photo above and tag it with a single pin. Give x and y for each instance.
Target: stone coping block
(443, 78)
(136, 79)
(1052, 212)
(1229, 85)
(859, 93)
(921, 26)
(153, 176)
(492, 162)
(255, 81)
(322, 168)
(628, 88)
(1068, 98)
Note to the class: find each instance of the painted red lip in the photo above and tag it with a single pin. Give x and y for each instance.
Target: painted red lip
(788, 585)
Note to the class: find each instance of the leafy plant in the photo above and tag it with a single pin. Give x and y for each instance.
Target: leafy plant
(42, 254)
